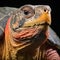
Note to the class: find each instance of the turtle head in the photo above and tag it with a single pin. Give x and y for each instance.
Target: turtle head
(31, 16)
(28, 25)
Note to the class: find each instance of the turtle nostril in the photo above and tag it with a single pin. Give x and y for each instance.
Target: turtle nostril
(44, 10)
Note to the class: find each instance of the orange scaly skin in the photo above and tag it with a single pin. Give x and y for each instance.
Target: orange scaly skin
(7, 33)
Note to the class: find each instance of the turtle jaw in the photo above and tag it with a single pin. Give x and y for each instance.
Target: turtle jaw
(29, 37)
(24, 34)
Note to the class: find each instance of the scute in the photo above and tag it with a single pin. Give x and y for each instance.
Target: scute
(4, 15)
(53, 38)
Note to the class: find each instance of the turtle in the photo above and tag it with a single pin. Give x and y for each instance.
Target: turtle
(25, 34)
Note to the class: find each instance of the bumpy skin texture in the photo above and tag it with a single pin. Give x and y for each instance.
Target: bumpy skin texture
(26, 35)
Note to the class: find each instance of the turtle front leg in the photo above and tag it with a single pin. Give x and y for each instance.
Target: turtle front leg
(52, 54)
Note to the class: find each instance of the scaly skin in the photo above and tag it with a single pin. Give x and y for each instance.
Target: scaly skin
(26, 32)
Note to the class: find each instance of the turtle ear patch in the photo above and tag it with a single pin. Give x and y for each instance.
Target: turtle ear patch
(21, 22)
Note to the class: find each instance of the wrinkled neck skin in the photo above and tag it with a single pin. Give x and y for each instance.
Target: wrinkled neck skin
(12, 48)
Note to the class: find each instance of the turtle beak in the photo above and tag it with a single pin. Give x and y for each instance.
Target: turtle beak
(44, 18)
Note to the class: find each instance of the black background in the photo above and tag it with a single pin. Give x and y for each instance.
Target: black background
(54, 4)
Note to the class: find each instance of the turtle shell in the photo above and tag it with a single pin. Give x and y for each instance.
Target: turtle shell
(53, 38)
(5, 13)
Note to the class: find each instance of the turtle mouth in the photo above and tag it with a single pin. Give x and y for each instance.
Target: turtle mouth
(18, 29)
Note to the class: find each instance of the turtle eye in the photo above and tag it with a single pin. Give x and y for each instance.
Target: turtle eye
(27, 11)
